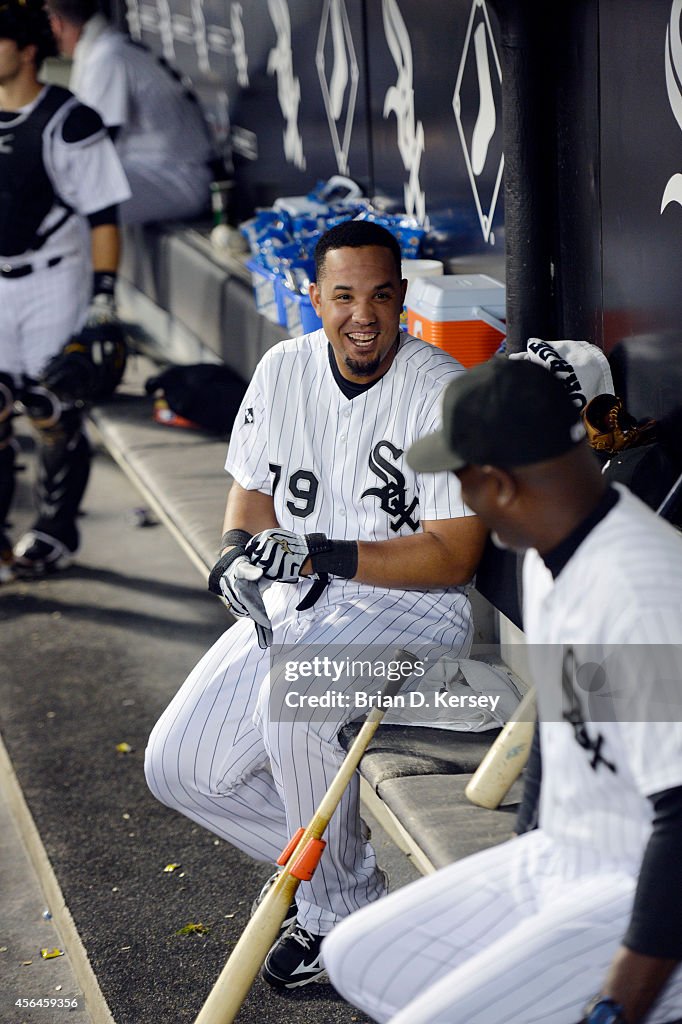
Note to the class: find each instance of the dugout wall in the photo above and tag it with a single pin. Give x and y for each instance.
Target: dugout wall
(558, 125)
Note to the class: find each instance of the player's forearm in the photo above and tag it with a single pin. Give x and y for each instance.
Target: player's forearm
(251, 511)
(635, 982)
(422, 561)
(105, 247)
(446, 554)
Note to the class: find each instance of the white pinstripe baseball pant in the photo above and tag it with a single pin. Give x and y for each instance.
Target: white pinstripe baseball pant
(39, 312)
(223, 757)
(515, 934)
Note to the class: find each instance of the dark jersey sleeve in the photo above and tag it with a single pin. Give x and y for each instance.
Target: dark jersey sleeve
(654, 928)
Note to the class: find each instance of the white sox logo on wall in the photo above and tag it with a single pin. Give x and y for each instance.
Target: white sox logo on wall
(281, 64)
(673, 80)
(477, 147)
(393, 495)
(399, 100)
(340, 89)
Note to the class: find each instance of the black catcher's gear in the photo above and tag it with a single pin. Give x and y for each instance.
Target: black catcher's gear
(63, 463)
(7, 449)
(91, 364)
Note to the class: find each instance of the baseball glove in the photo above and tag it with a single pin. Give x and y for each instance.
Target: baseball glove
(91, 364)
(610, 428)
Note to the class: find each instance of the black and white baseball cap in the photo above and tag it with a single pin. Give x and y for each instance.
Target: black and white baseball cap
(502, 413)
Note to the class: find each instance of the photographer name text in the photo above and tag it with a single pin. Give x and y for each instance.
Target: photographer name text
(366, 701)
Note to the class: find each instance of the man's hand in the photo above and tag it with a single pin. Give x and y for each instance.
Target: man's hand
(635, 981)
(102, 310)
(280, 554)
(237, 580)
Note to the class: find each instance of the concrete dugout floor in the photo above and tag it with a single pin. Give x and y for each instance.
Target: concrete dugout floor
(89, 660)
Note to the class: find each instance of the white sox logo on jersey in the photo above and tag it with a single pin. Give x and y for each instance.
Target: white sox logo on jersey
(303, 486)
(575, 717)
(5, 146)
(393, 495)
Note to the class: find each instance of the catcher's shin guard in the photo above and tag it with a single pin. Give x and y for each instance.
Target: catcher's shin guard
(63, 468)
(7, 456)
(7, 447)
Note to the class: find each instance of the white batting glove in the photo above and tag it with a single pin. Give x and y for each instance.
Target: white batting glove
(237, 580)
(279, 554)
(102, 310)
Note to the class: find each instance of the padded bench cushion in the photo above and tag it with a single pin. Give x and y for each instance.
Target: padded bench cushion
(182, 470)
(447, 826)
(404, 750)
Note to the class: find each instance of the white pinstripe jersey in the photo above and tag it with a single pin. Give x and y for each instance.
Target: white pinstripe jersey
(129, 88)
(336, 465)
(619, 600)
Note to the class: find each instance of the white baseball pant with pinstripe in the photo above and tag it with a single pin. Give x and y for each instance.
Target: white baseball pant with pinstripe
(220, 755)
(517, 934)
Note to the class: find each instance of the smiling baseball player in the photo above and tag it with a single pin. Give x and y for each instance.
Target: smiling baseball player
(317, 454)
(578, 920)
(60, 183)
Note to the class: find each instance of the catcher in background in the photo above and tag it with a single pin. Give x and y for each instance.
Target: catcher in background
(60, 185)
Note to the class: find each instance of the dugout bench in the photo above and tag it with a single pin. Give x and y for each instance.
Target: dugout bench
(193, 305)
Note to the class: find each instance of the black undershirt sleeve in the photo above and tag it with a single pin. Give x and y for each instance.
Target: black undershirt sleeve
(655, 927)
(107, 216)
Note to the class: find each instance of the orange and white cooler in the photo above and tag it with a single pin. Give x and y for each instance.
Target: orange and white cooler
(460, 313)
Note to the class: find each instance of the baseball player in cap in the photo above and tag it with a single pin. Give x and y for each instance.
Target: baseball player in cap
(578, 920)
(60, 183)
(357, 550)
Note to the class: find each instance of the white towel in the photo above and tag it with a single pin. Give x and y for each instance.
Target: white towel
(580, 365)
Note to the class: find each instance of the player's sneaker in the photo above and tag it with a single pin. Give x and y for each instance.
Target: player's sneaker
(38, 554)
(291, 912)
(295, 959)
(6, 559)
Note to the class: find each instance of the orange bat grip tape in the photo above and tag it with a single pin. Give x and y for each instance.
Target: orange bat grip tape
(290, 847)
(306, 862)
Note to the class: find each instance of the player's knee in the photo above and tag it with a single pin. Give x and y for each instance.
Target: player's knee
(42, 406)
(153, 773)
(166, 777)
(50, 416)
(163, 777)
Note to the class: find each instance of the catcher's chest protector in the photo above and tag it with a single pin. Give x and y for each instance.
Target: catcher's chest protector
(26, 192)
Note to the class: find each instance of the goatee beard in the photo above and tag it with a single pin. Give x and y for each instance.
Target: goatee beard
(363, 369)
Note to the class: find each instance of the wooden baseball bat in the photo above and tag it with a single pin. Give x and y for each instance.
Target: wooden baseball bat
(506, 757)
(299, 859)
